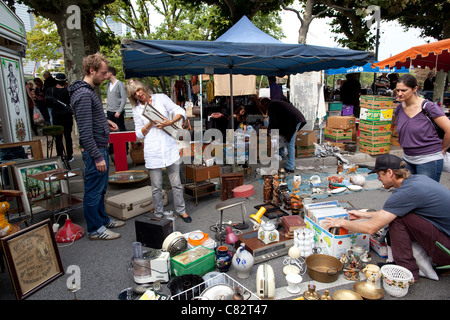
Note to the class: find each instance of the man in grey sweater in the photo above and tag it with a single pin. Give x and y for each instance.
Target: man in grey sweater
(94, 130)
(116, 98)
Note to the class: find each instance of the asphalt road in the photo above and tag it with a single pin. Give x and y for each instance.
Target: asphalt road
(103, 264)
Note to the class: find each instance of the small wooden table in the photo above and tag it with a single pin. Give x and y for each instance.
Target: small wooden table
(201, 177)
(62, 200)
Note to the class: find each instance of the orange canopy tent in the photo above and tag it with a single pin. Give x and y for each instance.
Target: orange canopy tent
(431, 55)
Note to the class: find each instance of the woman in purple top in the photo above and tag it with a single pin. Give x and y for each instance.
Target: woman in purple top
(423, 150)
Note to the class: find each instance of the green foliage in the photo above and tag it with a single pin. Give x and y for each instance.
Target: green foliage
(44, 43)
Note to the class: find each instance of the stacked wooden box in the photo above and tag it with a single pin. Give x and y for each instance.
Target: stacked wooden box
(375, 123)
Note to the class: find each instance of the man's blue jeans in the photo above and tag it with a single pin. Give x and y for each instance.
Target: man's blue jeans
(95, 186)
(432, 169)
(290, 161)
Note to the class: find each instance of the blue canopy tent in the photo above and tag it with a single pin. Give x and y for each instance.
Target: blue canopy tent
(365, 68)
(243, 49)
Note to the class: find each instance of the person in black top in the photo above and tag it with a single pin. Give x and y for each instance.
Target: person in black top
(58, 99)
(428, 84)
(350, 92)
(288, 120)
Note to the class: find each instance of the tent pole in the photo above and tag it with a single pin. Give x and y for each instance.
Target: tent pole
(231, 99)
(201, 111)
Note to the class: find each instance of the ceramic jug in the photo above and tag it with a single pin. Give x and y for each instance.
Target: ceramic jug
(223, 258)
(243, 262)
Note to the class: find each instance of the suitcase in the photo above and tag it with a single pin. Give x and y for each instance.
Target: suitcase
(132, 203)
(152, 232)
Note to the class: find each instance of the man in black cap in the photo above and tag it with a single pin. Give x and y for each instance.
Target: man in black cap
(418, 210)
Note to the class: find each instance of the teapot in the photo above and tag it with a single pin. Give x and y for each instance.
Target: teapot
(357, 251)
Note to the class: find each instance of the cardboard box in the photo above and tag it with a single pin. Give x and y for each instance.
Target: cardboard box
(341, 122)
(336, 245)
(394, 142)
(379, 248)
(337, 135)
(376, 114)
(374, 150)
(374, 137)
(305, 138)
(375, 102)
(305, 152)
(375, 126)
(333, 106)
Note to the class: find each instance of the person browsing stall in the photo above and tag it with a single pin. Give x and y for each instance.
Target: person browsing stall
(288, 120)
(58, 99)
(409, 216)
(423, 150)
(94, 129)
(160, 149)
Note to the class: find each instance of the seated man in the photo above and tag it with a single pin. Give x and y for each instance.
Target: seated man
(417, 210)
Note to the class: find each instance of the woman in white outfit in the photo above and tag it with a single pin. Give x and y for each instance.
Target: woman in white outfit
(160, 149)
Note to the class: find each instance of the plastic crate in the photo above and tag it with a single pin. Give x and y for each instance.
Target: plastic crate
(198, 260)
(332, 106)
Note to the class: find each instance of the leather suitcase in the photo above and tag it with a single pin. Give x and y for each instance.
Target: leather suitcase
(132, 203)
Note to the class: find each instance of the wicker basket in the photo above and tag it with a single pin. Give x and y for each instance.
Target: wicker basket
(396, 280)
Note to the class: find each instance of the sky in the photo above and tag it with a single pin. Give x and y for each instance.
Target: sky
(393, 39)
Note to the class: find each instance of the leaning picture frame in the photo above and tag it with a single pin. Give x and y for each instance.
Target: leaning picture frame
(33, 258)
(33, 189)
(154, 115)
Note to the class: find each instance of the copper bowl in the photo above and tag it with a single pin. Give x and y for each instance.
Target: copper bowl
(323, 267)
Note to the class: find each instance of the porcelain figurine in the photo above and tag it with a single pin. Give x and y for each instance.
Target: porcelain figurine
(243, 262)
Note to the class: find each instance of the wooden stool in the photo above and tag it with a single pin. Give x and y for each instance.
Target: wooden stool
(50, 132)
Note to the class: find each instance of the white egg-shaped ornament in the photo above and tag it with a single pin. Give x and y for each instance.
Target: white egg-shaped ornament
(294, 252)
(358, 179)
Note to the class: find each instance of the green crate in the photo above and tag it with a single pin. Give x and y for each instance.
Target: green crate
(333, 106)
(198, 260)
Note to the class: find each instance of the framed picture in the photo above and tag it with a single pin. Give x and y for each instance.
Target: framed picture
(14, 97)
(33, 258)
(154, 115)
(33, 189)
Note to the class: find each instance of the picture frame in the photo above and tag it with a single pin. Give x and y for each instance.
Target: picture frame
(34, 191)
(14, 99)
(33, 258)
(154, 115)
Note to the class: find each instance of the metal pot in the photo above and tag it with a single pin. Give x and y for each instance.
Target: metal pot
(323, 267)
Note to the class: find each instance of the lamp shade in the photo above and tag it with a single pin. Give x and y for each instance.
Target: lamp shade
(257, 216)
(231, 236)
(69, 233)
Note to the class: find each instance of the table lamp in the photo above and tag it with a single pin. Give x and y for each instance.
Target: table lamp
(256, 217)
(231, 237)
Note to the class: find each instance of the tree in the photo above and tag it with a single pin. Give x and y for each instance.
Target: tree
(43, 42)
(306, 16)
(231, 11)
(430, 16)
(74, 20)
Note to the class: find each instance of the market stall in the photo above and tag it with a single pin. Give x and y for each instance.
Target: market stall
(14, 113)
(434, 55)
(244, 49)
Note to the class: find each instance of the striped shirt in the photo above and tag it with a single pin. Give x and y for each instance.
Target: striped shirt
(91, 120)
